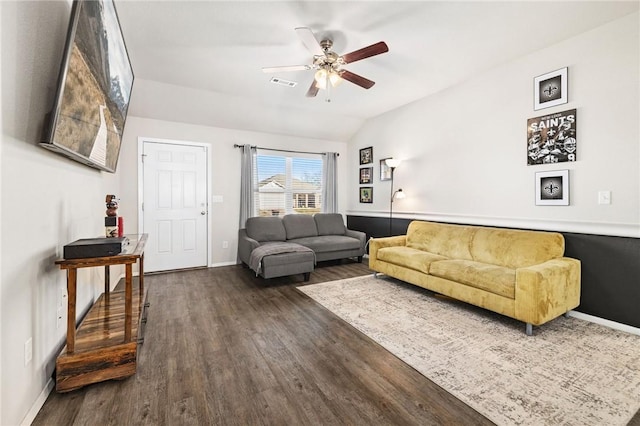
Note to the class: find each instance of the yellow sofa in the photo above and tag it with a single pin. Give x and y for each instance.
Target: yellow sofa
(520, 274)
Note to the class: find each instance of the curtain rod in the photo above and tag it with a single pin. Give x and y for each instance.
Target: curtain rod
(235, 145)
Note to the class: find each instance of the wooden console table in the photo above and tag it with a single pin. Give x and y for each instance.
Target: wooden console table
(104, 346)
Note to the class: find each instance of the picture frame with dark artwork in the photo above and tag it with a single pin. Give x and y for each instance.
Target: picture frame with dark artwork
(366, 155)
(366, 194)
(366, 174)
(552, 138)
(385, 171)
(551, 89)
(552, 188)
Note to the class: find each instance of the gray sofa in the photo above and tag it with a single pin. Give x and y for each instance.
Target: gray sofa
(275, 247)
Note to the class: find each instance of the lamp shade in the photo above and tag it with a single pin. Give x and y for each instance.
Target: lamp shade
(399, 194)
(392, 162)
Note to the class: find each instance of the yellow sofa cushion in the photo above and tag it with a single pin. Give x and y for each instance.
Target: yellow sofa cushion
(408, 257)
(492, 278)
(515, 248)
(452, 241)
(511, 248)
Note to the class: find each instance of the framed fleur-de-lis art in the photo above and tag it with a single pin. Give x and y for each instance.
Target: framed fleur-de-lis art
(551, 89)
(552, 188)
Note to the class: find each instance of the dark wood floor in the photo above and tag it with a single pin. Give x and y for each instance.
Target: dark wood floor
(226, 348)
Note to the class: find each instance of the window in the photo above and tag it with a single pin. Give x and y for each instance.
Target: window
(290, 183)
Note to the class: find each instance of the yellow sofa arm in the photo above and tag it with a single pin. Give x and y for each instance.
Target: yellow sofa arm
(547, 290)
(377, 243)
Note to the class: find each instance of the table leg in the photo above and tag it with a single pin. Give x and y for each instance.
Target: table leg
(107, 279)
(72, 277)
(141, 275)
(128, 305)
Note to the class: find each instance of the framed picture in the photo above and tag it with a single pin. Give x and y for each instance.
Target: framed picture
(550, 89)
(552, 138)
(366, 194)
(365, 174)
(552, 188)
(366, 155)
(385, 171)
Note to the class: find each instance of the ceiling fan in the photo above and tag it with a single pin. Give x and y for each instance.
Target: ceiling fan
(328, 64)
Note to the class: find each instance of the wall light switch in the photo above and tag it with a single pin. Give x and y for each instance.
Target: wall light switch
(216, 199)
(604, 197)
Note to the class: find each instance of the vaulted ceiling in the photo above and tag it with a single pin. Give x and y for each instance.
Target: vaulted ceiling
(200, 62)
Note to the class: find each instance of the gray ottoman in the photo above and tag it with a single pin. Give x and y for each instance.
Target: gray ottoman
(282, 264)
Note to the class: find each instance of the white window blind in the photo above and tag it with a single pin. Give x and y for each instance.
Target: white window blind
(290, 183)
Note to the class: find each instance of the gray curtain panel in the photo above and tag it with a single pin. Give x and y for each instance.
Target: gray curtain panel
(246, 184)
(329, 175)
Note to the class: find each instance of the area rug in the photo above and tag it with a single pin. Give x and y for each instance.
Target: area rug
(570, 372)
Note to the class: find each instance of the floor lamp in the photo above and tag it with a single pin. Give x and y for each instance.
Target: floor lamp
(392, 163)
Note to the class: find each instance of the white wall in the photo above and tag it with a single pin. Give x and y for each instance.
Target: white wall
(47, 201)
(225, 170)
(464, 149)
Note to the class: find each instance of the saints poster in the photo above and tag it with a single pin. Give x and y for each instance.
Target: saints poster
(552, 138)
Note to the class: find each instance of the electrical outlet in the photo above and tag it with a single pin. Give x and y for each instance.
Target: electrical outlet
(225, 244)
(28, 351)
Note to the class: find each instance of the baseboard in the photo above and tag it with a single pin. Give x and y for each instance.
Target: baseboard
(37, 405)
(607, 323)
(219, 264)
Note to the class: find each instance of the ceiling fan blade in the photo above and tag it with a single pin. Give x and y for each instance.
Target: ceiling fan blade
(365, 52)
(287, 68)
(313, 90)
(356, 79)
(309, 40)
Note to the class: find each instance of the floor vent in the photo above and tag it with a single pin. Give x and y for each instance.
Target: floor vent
(282, 82)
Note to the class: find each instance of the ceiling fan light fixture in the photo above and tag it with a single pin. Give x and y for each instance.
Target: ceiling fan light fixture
(321, 78)
(334, 78)
(323, 75)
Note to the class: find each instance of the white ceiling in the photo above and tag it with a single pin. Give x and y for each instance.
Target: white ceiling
(200, 62)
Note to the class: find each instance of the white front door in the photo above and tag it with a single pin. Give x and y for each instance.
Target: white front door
(174, 205)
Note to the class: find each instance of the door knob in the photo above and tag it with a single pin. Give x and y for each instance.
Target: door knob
(203, 213)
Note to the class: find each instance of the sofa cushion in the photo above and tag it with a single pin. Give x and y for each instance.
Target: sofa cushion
(266, 229)
(330, 224)
(492, 278)
(328, 243)
(299, 226)
(515, 248)
(409, 257)
(452, 241)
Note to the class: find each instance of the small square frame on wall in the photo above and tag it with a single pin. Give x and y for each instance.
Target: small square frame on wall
(385, 171)
(551, 89)
(366, 175)
(552, 188)
(366, 194)
(366, 155)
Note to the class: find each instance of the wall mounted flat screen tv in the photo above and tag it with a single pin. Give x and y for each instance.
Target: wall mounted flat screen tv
(94, 88)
